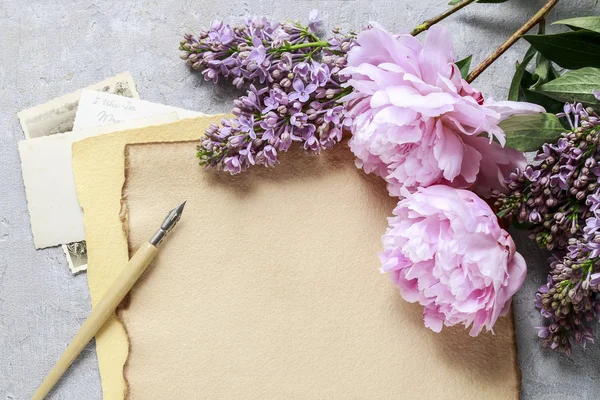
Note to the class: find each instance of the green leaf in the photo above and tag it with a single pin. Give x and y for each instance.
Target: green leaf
(515, 85)
(525, 94)
(574, 86)
(517, 82)
(590, 23)
(543, 71)
(464, 65)
(551, 105)
(528, 132)
(571, 50)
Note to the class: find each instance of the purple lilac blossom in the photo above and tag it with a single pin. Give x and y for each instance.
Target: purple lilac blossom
(249, 53)
(294, 91)
(560, 198)
(552, 194)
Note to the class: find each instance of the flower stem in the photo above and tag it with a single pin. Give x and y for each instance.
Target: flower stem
(430, 22)
(322, 43)
(537, 18)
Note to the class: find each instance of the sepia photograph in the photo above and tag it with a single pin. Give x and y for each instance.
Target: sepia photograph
(76, 256)
(58, 115)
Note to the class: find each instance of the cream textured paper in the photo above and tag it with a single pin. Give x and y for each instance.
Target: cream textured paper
(270, 288)
(98, 167)
(56, 217)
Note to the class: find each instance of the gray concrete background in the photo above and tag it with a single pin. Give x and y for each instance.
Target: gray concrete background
(51, 48)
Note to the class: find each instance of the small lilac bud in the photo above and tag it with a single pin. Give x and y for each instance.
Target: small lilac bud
(238, 82)
(320, 93)
(282, 110)
(590, 162)
(210, 74)
(208, 56)
(259, 158)
(559, 217)
(235, 141)
(285, 82)
(523, 215)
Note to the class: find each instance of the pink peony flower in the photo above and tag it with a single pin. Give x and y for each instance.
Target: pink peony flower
(445, 249)
(417, 123)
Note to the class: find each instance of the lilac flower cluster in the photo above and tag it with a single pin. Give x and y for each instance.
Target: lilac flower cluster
(551, 196)
(560, 199)
(244, 54)
(570, 300)
(293, 95)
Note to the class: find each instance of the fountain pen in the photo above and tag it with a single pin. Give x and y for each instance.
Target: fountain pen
(109, 302)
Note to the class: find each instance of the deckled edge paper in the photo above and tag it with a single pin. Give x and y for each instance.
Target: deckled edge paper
(60, 112)
(267, 255)
(55, 215)
(98, 166)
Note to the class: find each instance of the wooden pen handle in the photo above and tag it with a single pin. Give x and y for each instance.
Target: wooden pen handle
(103, 310)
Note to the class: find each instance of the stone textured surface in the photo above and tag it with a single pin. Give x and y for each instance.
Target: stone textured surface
(51, 48)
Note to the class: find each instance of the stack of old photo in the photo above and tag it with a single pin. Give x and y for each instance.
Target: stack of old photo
(50, 130)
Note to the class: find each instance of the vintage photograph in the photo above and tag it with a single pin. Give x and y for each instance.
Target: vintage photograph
(58, 115)
(76, 256)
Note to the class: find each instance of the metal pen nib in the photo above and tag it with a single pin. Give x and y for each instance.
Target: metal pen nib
(168, 224)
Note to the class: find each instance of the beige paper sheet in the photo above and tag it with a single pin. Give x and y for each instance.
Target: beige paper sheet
(98, 167)
(269, 288)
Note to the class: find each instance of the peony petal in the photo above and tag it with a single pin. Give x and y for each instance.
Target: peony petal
(433, 319)
(377, 46)
(437, 55)
(508, 108)
(470, 166)
(380, 99)
(517, 270)
(430, 105)
(399, 117)
(496, 163)
(449, 152)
